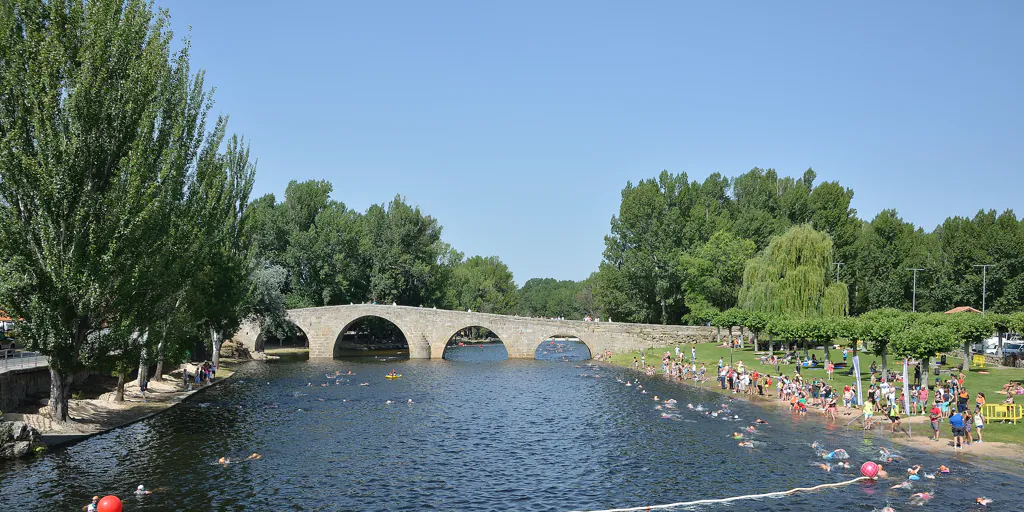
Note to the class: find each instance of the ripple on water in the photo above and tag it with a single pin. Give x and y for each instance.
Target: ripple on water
(482, 436)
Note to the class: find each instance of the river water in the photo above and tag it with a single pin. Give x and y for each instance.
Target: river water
(482, 435)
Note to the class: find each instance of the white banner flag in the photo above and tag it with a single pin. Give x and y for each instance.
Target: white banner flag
(856, 372)
(906, 388)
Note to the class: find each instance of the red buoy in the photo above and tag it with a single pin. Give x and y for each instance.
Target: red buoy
(869, 469)
(109, 504)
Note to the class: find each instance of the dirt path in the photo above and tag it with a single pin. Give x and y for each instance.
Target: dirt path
(103, 413)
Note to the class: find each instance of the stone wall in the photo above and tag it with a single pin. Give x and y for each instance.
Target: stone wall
(428, 330)
(17, 385)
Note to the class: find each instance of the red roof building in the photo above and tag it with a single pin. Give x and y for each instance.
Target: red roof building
(963, 309)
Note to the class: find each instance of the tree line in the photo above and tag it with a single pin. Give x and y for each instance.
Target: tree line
(681, 251)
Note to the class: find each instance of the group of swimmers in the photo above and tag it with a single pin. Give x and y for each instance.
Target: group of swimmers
(802, 393)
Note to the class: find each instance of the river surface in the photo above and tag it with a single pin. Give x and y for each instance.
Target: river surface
(481, 435)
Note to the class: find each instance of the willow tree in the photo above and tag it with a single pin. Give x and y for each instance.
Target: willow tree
(99, 117)
(791, 277)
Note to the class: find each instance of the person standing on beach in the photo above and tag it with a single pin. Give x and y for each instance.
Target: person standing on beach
(979, 423)
(693, 352)
(956, 423)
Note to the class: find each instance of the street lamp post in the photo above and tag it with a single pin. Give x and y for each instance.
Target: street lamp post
(913, 303)
(984, 279)
(838, 265)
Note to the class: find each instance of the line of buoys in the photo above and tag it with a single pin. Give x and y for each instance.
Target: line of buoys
(734, 498)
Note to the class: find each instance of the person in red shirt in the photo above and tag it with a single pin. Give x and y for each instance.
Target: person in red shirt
(934, 415)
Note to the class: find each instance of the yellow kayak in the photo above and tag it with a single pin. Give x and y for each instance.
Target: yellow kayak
(399, 376)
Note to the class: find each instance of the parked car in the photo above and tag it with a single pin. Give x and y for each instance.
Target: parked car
(991, 345)
(7, 343)
(1012, 348)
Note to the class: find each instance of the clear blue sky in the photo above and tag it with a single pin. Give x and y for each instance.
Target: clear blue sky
(517, 124)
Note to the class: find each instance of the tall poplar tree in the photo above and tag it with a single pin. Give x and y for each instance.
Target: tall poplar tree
(98, 120)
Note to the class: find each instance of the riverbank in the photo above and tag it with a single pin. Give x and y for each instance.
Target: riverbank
(916, 432)
(102, 414)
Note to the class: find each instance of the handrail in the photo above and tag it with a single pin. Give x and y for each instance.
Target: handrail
(17, 360)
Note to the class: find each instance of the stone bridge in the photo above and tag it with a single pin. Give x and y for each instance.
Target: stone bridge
(428, 330)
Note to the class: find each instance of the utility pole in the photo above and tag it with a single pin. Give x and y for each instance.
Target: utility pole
(984, 279)
(838, 265)
(913, 306)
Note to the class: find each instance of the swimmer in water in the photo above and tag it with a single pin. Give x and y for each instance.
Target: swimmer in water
(141, 490)
(655, 398)
(882, 473)
(254, 456)
(389, 402)
(920, 498)
(826, 467)
(224, 461)
(746, 444)
(365, 384)
(410, 401)
(983, 501)
(904, 485)
(888, 509)
(944, 470)
(759, 421)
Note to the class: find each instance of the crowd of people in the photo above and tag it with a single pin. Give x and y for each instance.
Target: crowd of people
(883, 403)
(204, 374)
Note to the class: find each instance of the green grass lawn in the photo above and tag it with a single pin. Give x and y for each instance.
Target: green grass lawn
(975, 381)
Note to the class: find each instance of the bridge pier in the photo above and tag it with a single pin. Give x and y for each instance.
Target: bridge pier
(419, 349)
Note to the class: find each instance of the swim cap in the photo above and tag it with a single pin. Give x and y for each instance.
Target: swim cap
(141, 487)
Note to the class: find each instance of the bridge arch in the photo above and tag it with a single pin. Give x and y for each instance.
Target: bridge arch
(451, 344)
(296, 338)
(558, 346)
(582, 338)
(371, 333)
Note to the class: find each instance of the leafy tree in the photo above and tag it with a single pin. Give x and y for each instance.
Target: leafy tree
(550, 298)
(886, 247)
(879, 326)
(923, 341)
(220, 296)
(402, 248)
(100, 121)
(482, 284)
(713, 273)
(790, 277)
(968, 329)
